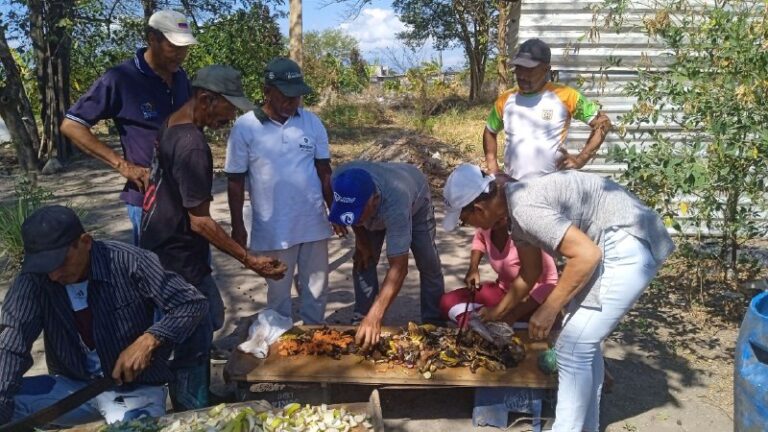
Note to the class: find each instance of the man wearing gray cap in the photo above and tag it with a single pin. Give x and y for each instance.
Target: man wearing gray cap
(93, 300)
(139, 95)
(177, 223)
(282, 151)
(535, 117)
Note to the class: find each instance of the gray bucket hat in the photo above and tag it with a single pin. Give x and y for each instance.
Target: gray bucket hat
(225, 81)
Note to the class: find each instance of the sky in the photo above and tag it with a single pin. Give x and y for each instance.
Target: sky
(375, 28)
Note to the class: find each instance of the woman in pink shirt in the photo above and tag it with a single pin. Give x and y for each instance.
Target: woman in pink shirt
(502, 256)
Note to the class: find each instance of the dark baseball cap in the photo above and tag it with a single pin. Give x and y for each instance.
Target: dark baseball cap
(532, 53)
(286, 75)
(47, 234)
(226, 81)
(352, 189)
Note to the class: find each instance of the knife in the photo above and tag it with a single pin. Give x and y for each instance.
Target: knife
(472, 292)
(51, 413)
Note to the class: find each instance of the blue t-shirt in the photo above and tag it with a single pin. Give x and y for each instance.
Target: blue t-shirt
(139, 101)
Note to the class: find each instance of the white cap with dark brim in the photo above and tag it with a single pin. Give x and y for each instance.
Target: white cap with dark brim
(174, 26)
(463, 186)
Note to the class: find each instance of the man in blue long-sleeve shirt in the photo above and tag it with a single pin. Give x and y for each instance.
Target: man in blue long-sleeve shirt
(94, 301)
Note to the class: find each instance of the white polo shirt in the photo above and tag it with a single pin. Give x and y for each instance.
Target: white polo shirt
(285, 191)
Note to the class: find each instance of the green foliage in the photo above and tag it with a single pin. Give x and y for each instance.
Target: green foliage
(245, 40)
(714, 88)
(27, 199)
(469, 24)
(392, 85)
(426, 88)
(344, 114)
(332, 63)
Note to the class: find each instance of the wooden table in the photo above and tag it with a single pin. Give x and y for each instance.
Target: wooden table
(353, 369)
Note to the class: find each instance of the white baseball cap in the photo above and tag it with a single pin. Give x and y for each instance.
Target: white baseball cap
(464, 184)
(174, 26)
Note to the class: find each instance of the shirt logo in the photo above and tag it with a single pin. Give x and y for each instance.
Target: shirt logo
(546, 114)
(306, 146)
(341, 199)
(148, 111)
(347, 218)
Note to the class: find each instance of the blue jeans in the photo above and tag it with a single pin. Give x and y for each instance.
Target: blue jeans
(191, 358)
(118, 404)
(627, 268)
(134, 214)
(366, 282)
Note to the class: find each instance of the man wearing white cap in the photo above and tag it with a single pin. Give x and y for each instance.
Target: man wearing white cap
(613, 244)
(138, 94)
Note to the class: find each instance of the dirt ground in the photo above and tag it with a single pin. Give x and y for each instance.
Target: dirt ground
(673, 367)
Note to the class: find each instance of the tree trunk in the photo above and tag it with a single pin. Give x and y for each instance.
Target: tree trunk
(16, 110)
(295, 32)
(509, 27)
(52, 45)
(149, 7)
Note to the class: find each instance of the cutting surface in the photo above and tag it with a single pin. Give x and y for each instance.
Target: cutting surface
(355, 370)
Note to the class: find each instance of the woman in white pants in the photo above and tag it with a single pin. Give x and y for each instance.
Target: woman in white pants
(613, 244)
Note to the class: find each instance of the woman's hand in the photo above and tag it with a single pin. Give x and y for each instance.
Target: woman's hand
(541, 322)
(472, 279)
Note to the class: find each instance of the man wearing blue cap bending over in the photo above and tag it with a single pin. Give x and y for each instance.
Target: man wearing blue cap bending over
(389, 201)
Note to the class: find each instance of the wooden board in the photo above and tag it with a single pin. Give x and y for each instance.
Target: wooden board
(352, 369)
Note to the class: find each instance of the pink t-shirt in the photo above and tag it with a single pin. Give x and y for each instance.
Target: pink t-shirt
(506, 264)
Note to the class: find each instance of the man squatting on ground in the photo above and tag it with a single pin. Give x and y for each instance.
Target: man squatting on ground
(94, 301)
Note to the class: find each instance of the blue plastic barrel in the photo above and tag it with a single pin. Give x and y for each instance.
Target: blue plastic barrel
(751, 375)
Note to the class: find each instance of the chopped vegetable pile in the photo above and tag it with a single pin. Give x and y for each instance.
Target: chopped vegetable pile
(221, 418)
(425, 347)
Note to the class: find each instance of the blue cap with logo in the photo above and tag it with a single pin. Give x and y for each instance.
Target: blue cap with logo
(352, 189)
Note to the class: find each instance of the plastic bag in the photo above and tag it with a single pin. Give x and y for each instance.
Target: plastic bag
(269, 326)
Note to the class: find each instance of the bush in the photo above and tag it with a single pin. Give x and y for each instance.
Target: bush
(344, 114)
(28, 197)
(714, 89)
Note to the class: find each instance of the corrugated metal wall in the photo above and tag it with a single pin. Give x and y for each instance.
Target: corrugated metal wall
(586, 59)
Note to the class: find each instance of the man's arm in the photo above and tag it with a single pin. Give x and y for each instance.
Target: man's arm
(370, 328)
(490, 146)
(583, 256)
(183, 307)
(324, 171)
(236, 199)
(202, 223)
(86, 141)
(20, 324)
(599, 126)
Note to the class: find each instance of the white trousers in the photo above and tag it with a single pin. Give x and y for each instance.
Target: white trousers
(627, 268)
(310, 261)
